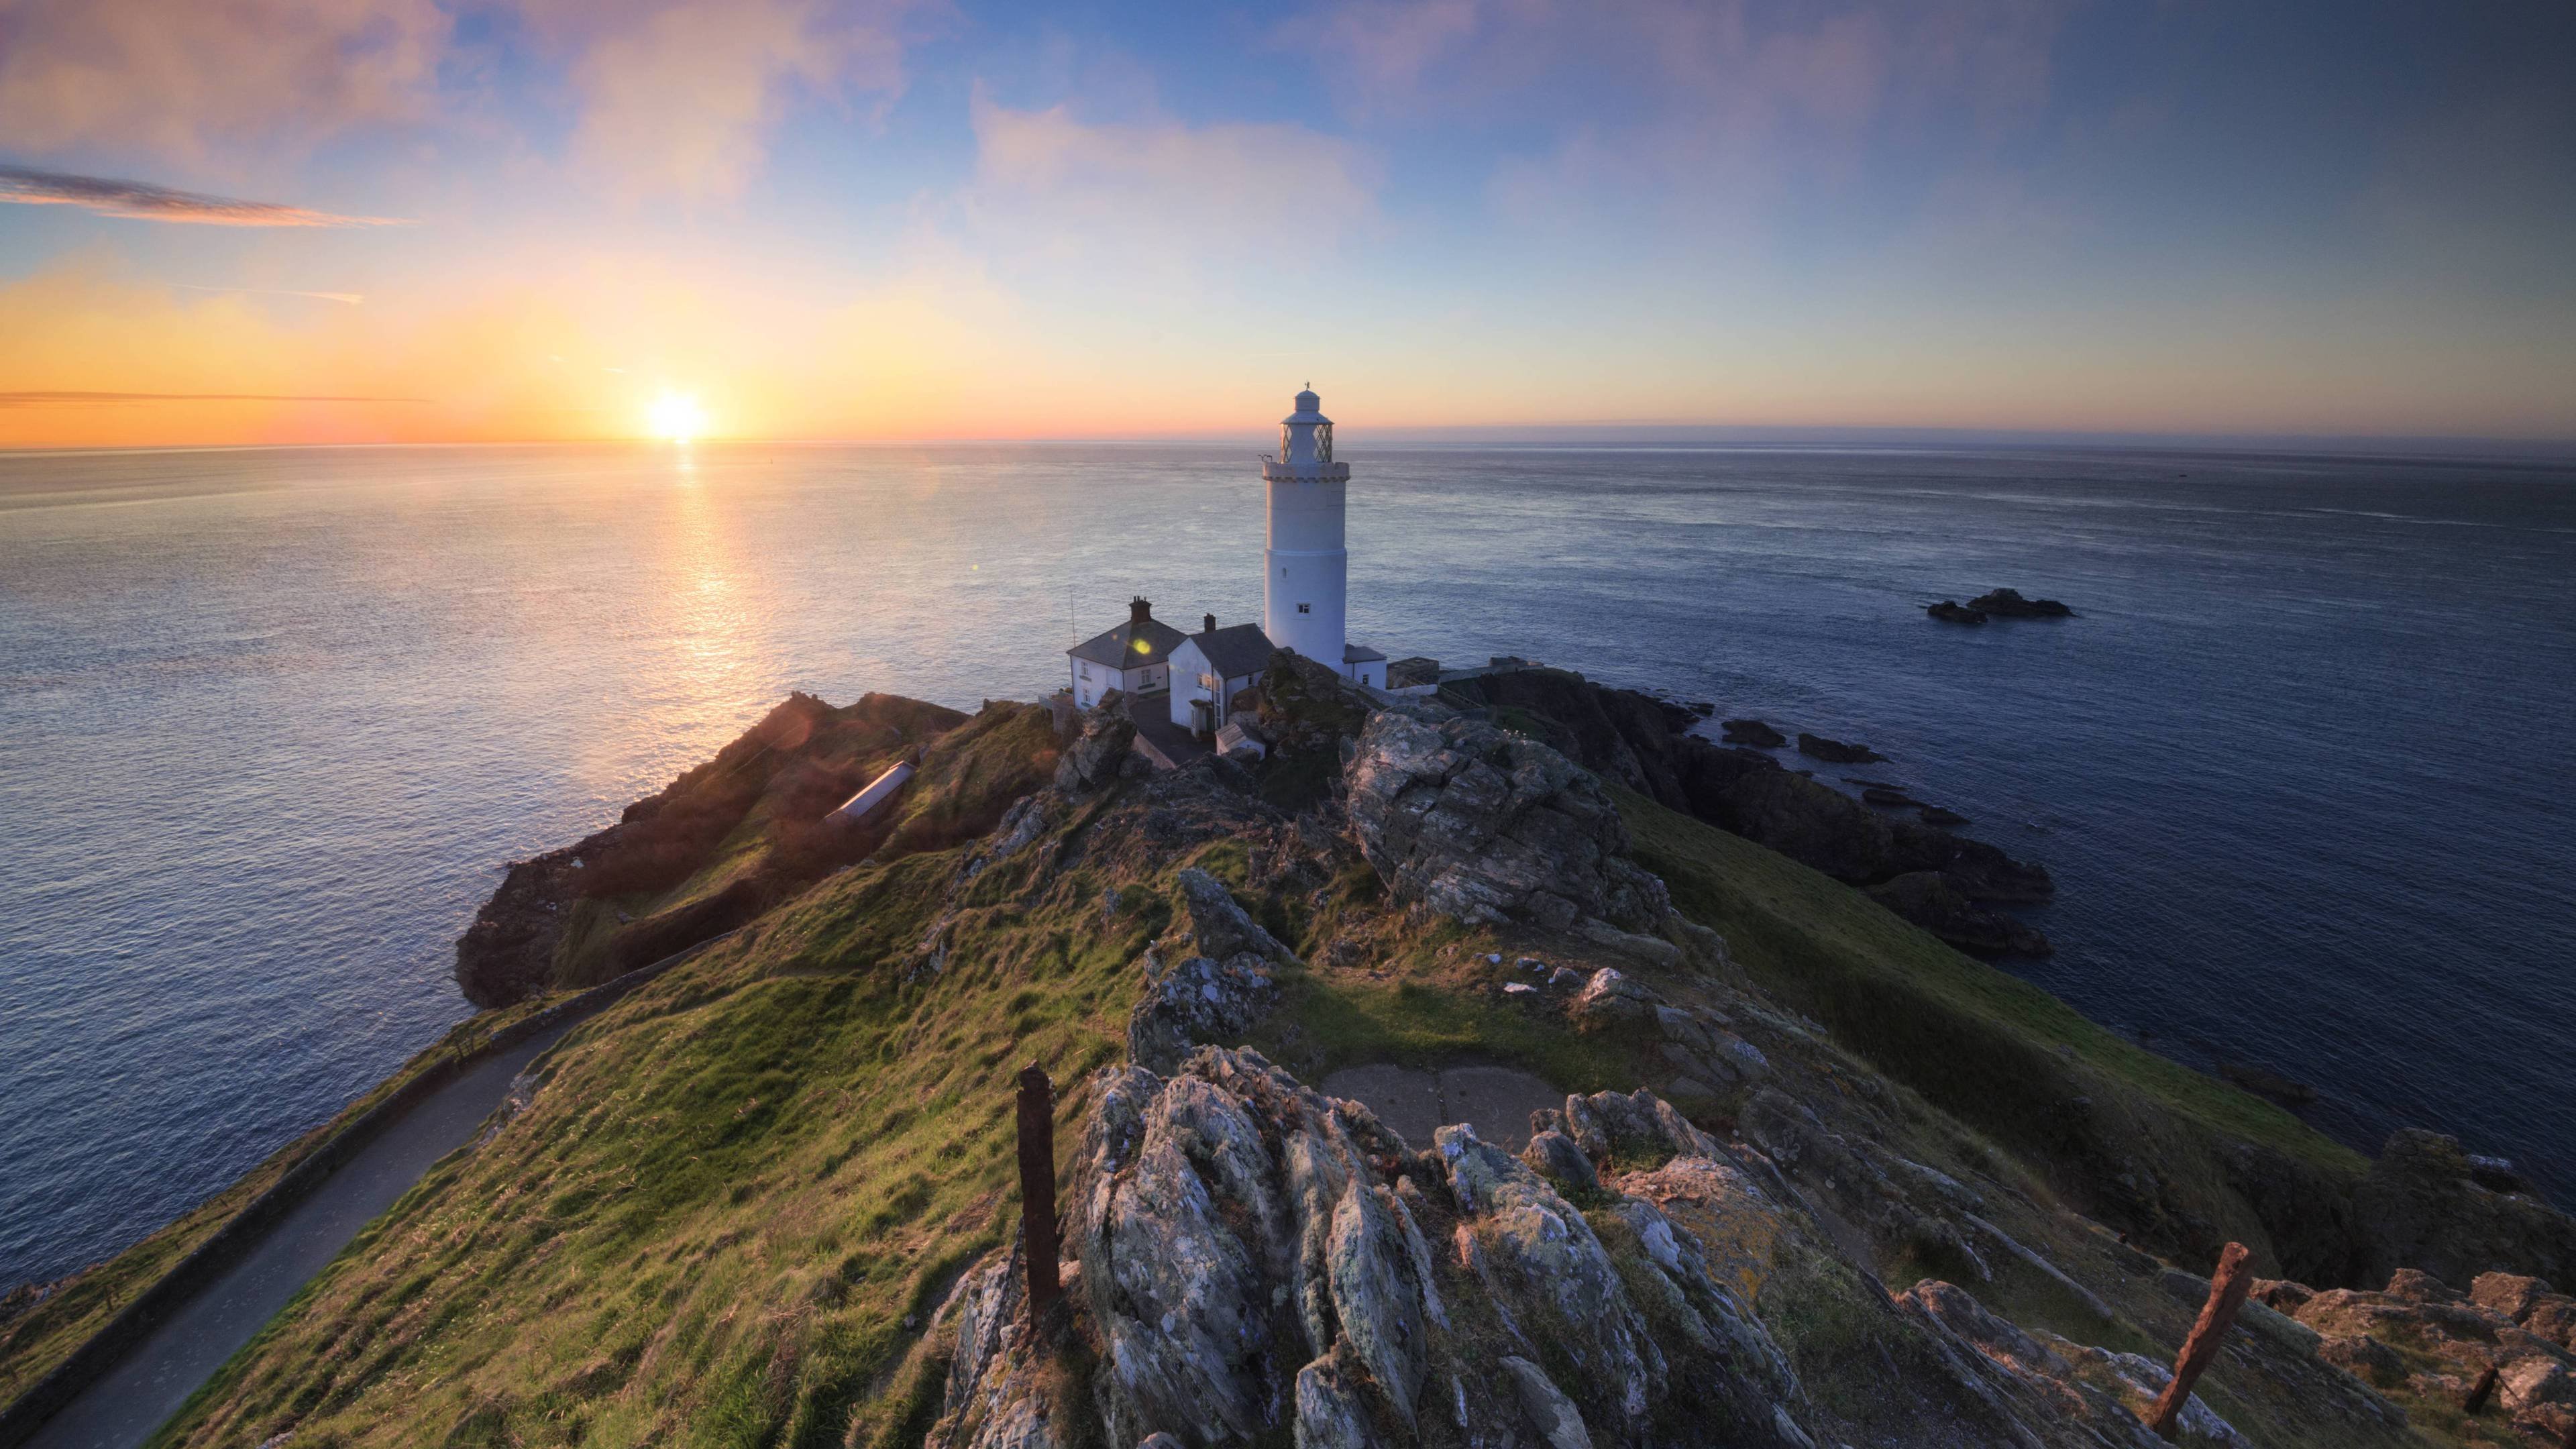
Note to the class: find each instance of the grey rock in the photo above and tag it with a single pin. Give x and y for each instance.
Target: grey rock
(1560, 1425)
(1550, 1266)
(1097, 755)
(2530, 1382)
(1487, 826)
(1558, 1160)
(1330, 1413)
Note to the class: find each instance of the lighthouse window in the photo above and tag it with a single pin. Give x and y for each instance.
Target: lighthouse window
(1323, 442)
(1305, 608)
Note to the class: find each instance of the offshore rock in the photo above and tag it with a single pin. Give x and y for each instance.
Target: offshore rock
(1754, 732)
(2009, 604)
(1836, 752)
(1487, 826)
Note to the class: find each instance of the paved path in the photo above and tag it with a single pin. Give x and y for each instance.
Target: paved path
(129, 1401)
(1496, 1101)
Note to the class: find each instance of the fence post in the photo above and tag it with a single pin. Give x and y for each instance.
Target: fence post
(2227, 1289)
(1037, 1189)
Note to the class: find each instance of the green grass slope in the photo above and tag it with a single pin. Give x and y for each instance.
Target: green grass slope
(2087, 1106)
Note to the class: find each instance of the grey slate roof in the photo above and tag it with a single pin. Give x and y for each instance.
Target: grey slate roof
(1118, 650)
(1236, 650)
(1354, 653)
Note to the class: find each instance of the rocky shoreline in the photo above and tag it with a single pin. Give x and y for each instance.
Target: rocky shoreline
(1921, 869)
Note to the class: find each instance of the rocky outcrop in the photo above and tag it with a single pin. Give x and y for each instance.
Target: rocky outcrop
(1483, 825)
(2009, 604)
(1951, 611)
(1256, 1262)
(1928, 899)
(2421, 1341)
(1641, 742)
(1100, 752)
(2423, 1206)
(1222, 984)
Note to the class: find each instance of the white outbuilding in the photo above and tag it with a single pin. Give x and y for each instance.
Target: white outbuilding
(1211, 669)
(1135, 657)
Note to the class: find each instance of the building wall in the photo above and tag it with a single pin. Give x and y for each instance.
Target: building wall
(1090, 681)
(1371, 672)
(1188, 668)
(1304, 563)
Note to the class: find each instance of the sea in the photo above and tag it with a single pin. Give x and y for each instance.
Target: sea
(272, 721)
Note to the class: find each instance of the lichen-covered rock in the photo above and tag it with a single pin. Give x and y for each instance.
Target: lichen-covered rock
(1560, 1424)
(1485, 826)
(1260, 1263)
(1221, 986)
(1556, 1158)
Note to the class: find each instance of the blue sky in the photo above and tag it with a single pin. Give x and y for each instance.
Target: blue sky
(890, 219)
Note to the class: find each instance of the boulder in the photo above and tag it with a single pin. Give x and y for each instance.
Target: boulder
(1487, 826)
(1951, 611)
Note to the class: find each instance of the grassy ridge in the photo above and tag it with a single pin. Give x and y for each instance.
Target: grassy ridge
(730, 1192)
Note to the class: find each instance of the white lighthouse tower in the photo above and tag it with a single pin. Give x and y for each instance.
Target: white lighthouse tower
(1306, 568)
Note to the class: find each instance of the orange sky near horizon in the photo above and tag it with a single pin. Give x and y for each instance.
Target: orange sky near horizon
(346, 221)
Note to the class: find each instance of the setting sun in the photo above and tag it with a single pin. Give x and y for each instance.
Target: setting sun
(677, 417)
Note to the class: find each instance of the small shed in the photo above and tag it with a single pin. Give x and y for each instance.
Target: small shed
(878, 791)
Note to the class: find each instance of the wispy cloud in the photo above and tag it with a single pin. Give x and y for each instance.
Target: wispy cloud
(188, 79)
(143, 201)
(80, 399)
(349, 298)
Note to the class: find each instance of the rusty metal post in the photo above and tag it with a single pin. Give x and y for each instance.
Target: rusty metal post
(2480, 1392)
(1037, 1188)
(2227, 1289)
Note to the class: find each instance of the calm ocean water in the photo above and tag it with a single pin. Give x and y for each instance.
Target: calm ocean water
(271, 721)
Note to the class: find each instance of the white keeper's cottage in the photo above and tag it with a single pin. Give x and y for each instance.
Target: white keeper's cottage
(1305, 584)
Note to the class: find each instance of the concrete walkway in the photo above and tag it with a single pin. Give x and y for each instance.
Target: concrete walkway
(124, 1405)
(1496, 1101)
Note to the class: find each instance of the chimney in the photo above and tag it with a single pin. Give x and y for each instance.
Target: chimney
(1211, 624)
(1140, 610)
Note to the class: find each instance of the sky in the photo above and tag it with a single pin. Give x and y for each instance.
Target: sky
(408, 220)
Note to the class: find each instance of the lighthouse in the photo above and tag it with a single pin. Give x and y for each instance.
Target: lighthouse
(1305, 565)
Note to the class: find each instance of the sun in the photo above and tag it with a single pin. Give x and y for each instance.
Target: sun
(677, 417)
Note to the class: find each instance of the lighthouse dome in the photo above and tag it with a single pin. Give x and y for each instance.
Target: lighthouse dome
(1307, 409)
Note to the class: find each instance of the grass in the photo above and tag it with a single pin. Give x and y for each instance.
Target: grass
(731, 1189)
(1997, 1053)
